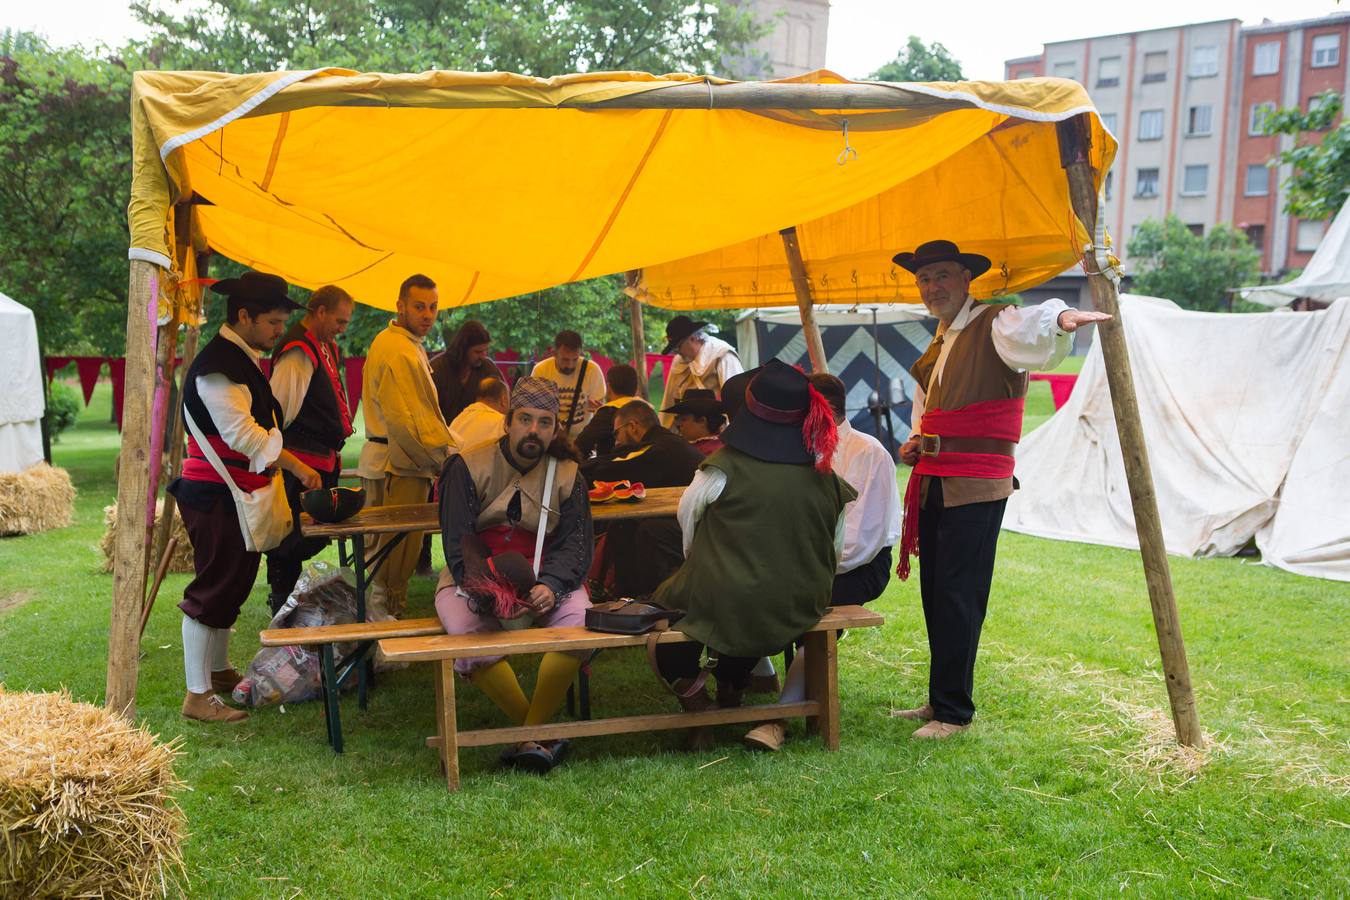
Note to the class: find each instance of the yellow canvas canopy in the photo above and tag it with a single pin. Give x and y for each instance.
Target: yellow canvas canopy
(496, 184)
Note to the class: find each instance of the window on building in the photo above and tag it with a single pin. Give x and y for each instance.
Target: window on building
(1314, 102)
(1155, 67)
(1109, 122)
(1257, 183)
(1108, 184)
(1150, 124)
(1326, 50)
(1146, 183)
(1256, 236)
(1026, 73)
(1199, 120)
(1196, 229)
(1204, 61)
(1108, 71)
(1256, 123)
(1266, 58)
(1195, 180)
(1066, 70)
(1309, 236)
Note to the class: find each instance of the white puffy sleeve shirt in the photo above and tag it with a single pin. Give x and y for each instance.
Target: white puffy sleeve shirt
(230, 405)
(703, 492)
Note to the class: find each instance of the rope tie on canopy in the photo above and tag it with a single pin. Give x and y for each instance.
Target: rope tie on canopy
(1108, 263)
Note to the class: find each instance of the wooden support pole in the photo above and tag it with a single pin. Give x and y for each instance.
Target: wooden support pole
(633, 277)
(1074, 145)
(815, 347)
(166, 353)
(175, 446)
(133, 489)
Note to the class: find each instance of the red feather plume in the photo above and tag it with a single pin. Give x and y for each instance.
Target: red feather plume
(819, 431)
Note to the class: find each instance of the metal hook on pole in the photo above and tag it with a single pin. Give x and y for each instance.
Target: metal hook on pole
(848, 152)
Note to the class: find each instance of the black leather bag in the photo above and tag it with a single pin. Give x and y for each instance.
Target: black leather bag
(630, 617)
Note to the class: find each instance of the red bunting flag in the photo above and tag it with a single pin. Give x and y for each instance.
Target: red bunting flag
(117, 372)
(353, 367)
(88, 368)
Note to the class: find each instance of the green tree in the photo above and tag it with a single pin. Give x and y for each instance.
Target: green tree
(917, 61)
(1321, 180)
(1192, 270)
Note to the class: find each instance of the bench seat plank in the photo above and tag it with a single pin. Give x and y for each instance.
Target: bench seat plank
(545, 640)
(355, 631)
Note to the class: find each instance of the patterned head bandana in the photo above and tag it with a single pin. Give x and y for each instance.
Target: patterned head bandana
(536, 393)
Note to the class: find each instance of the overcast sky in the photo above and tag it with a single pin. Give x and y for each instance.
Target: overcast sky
(863, 33)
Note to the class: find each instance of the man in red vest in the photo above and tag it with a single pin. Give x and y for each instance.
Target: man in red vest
(316, 419)
(972, 383)
(231, 405)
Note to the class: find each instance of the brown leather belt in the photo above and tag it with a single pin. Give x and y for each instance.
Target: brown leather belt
(933, 444)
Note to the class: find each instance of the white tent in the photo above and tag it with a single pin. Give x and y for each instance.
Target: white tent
(1327, 276)
(1247, 420)
(21, 400)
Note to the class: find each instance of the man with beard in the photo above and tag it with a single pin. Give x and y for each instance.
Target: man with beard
(500, 493)
(581, 384)
(701, 362)
(231, 408)
(972, 382)
(316, 420)
(407, 440)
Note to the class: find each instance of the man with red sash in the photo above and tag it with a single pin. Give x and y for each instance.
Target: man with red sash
(231, 404)
(972, 383)
(316, 420)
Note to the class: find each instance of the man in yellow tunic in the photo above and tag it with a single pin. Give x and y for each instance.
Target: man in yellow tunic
(407, 440)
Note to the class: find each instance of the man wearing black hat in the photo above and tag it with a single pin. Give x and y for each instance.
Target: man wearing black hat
(701, 361)
(972, 382)
(763, 526)
(316, 419)
(234, 425)
(699, 417)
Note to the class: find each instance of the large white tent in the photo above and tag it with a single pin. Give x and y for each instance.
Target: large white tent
(21, 398)
(1326, 277)
(1247, 422)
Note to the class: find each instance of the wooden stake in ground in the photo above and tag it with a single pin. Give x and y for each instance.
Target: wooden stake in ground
(160, 572)
(133, 489)
(175, 447)
(633, 277)
(815, 347)
(1074, 144)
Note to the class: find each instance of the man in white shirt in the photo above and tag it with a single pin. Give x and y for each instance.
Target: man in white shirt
(967, 421)
(581, 384)
(871, 522)
(702, 362)
(484, 419)
(316, 419)
(231, 406)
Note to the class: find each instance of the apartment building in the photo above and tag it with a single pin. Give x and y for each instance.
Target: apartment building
(796, 43)
(1186, 104)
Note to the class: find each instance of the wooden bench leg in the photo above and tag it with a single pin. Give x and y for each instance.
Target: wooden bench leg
(447, 727)
(822, 685)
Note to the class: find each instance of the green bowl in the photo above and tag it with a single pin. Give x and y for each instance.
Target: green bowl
(333, 504)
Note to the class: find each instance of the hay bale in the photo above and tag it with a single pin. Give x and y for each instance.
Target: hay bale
(180, 561)
(86, 803)
(37, 499)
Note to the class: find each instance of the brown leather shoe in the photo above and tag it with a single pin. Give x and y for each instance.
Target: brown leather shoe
(223, 682)
(208, 707)
(729, 697)
(698, 739)
(917, 714)
(938, 731)
(767, 736)
(765, 684)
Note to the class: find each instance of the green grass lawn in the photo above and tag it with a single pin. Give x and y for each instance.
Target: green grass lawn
(1067, 784)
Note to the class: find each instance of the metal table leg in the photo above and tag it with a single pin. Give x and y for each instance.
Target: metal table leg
(331, 689)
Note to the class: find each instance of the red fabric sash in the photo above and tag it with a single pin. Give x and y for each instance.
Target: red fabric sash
(327, 361)
(504, 538)
(996, 419)
(196, 467)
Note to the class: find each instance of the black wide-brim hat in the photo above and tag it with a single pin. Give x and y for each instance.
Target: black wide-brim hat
(733, 392)
(769, 427)
(257, 287)
(698, 402)
(942, 251)
(677, 329)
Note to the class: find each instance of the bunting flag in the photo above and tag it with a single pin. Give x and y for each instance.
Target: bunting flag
(353, 366)
(117, 373)
(88, 368)
(55, 364)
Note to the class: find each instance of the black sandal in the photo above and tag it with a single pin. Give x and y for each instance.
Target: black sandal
(533, 757)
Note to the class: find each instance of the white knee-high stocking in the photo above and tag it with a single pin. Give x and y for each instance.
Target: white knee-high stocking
(197, 655)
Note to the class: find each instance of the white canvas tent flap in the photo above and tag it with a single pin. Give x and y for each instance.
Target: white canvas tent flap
(1327, 276)
(1243, 433)
(21, 398)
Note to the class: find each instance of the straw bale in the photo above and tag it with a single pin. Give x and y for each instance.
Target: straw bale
(181, 561)
(37, 499)
(87, 804)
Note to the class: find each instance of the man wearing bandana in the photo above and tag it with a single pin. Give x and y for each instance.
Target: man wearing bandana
(496, 493)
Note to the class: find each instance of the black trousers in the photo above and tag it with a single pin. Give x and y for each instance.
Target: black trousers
(956, 567)
(863, 584)
(682, 661)
(284, 562)
(645, 553)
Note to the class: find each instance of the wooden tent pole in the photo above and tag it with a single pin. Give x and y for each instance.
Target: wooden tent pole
(166, 354)
(1074, 144)
(815, 347)
(633, 277)
(175, 446)
(133, 487)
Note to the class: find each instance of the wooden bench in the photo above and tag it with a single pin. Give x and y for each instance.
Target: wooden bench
(821, 707)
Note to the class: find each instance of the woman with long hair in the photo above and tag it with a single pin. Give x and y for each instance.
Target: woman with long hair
(465, 363)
